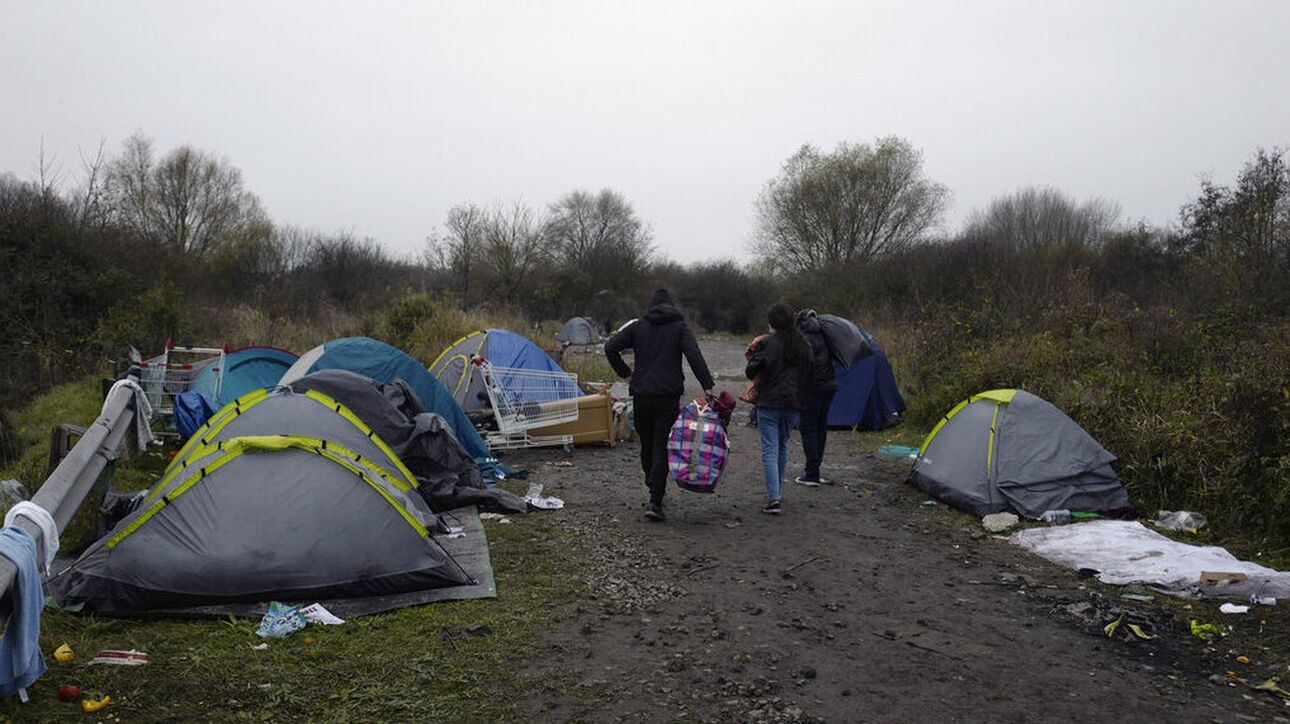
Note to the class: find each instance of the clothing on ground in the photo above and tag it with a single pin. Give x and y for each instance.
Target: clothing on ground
(658, 340)
(654, 416)
(21, 662)
(774, 426)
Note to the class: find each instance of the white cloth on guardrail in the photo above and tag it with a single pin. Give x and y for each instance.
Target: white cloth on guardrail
(42, 520)
(142, 412)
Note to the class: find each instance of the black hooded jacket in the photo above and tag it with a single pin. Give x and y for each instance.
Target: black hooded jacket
(780, 382)
(823, 380)
(659, 339)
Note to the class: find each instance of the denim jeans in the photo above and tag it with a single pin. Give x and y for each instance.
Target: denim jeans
(774, 425)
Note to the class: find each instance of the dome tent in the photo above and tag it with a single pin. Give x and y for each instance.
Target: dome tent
(867, 398)
(578, 331)
(1010, 449)
(280, 496)
(244, 370)
(502, 348)
(383, 363)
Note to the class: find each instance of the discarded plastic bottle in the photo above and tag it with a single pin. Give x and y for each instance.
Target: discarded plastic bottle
(1263, 600)
(1056, 517)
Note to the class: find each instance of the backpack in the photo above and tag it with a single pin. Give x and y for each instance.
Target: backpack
(698, 448)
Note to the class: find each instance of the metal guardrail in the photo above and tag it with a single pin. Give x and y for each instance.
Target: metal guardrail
(68, 485)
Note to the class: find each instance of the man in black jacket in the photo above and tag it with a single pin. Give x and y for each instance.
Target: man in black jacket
(818, 392)
(659, 339)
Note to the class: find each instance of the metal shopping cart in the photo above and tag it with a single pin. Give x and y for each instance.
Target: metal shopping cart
(525, 400)
(171, 372)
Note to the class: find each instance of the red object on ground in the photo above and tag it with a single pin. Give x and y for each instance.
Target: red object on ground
(68, 692)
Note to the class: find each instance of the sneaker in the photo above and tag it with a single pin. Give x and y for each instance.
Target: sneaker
(772, 508)
(827, 481)
(655, 512)
(810, 482)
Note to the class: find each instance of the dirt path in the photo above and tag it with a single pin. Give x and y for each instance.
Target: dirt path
(858, 604)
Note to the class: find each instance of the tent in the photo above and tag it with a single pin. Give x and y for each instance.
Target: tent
(383, 363)
(245, 370)
(1010, 449)
(867, 398)
(423, 441)
(578, 331)
(502, 348)
(280, 496)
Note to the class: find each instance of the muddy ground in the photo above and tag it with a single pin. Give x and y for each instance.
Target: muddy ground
(859, 603)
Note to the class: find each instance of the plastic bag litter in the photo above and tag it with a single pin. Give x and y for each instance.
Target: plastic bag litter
(1178, 520)
(897, 452)
(280, 621)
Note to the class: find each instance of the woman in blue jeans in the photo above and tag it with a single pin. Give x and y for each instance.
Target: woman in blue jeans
(780, 364)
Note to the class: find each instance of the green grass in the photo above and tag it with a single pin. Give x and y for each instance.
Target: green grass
(77, 403)
(446, 661)
(452, 661)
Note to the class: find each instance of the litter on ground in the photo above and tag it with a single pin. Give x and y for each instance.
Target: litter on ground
(1125, 552)
(119, 658)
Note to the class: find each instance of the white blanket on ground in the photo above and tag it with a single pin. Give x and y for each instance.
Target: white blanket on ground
(1124, 552)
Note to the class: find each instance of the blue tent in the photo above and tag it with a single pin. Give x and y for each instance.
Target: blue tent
(384, 363)
(502, 348)
(245, 370)
(867, 398)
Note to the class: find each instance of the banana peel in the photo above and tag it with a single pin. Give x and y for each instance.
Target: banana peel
(89, 706)
(1272, 686)
(64, 653)
(1137, 631)
(1111, 628)
(1134, 628)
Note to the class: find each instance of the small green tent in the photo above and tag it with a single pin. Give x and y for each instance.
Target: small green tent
(1006, 449)
(280, 496)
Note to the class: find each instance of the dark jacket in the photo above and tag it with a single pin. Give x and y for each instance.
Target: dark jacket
(779, 382)
(822, 381)
(659, 339)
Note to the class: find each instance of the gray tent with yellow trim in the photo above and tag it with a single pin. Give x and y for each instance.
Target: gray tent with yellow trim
(281, 496)
(1010, 449)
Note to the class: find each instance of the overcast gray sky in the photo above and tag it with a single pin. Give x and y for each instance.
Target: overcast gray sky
(378, 117)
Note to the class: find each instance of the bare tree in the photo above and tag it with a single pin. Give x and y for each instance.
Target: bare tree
(1042, 218)
(600, 243)
(512, 250)
(190, 200)
(826, 210)
(457, 250)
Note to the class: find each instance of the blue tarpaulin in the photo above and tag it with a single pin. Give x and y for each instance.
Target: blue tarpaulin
(192, 410)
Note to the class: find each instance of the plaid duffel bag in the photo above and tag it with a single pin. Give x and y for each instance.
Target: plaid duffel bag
(697, 448)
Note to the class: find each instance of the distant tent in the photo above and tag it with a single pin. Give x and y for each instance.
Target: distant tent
(578, 331)
(281, 496)
(1010, 449)
(245, 370)
(383, 363)
(868, 398)
(502, 348)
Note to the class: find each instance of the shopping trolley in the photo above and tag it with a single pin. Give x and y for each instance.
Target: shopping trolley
(525, 400)
(171, 372)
